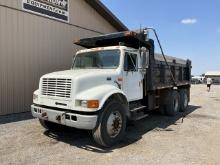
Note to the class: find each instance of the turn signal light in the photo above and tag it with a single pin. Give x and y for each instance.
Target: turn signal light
(120, 79)
(130, 34)
(92, 104)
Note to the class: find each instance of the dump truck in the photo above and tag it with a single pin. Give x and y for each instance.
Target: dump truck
(116, 78)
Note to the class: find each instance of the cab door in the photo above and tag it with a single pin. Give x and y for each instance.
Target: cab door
(133, 84)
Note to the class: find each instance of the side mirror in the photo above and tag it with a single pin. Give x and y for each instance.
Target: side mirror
(144, 57)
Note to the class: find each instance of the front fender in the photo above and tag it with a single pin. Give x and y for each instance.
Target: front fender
(101, 93)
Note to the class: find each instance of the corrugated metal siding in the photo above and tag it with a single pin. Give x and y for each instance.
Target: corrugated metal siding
(84, 15)
(80, 14)
(12, 3)
(31, 46)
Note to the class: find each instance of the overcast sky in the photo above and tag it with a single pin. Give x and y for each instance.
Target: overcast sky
(187, 29)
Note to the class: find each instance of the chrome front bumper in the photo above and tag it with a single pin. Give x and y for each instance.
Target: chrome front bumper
(87, 122)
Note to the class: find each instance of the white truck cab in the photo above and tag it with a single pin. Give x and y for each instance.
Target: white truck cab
(73, 97)
(108, 85)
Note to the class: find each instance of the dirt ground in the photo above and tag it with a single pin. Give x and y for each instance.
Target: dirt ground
(192, 137)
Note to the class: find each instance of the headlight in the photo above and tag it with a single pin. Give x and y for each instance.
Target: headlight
(90, 103)
(84, 103)
(35, 97)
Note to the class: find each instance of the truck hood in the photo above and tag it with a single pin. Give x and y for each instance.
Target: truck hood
(85, 79)
(73, 74)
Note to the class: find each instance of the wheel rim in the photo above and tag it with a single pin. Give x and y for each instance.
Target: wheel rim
(185, 100)
(114, 124)
(176, 105)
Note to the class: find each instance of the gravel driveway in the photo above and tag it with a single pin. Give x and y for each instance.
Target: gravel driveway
(192, 137)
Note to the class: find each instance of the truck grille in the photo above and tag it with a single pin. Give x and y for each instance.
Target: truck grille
(56, 87)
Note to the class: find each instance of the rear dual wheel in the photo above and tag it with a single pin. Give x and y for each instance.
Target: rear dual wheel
(176, 102)
(172, 105)
(184, 100)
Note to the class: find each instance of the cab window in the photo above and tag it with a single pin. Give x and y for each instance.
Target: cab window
(130, 63)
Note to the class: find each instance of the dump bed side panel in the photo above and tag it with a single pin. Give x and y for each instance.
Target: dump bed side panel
(162, 78)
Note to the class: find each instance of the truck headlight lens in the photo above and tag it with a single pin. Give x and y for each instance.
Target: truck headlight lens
(84, 103)
(35, 97)
(90, 103)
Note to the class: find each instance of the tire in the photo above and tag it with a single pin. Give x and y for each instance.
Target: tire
(172, 105)
(111, 126)
(184, 100)
(49, 125)
(161, 109)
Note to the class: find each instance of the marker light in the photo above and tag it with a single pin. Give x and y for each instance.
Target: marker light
(90, 103)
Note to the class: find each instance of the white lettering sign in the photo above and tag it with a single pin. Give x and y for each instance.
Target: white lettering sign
(56, 9)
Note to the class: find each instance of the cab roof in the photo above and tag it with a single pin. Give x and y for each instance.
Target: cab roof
(104, 48)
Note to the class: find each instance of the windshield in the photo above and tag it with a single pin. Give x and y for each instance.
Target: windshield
(105, 59)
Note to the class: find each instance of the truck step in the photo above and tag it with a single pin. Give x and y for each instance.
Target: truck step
(139, 116)
(136, 109)
(138, 113)
(157, 106)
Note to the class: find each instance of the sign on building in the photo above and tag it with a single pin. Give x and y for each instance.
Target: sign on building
(56, 9)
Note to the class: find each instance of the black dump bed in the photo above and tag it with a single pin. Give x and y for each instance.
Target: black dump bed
(159, 74)
(177, 72)
(128, 38)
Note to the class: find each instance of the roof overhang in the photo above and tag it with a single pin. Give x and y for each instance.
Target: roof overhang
(107, 14)
(213, 73)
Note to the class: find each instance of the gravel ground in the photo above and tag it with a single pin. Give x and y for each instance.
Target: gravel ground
(192, 137)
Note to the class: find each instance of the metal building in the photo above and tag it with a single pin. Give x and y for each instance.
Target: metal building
(36, 37)
(214, 75)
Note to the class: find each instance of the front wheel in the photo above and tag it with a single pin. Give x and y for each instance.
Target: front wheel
(111, 125)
